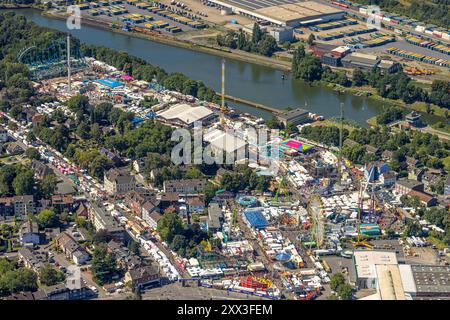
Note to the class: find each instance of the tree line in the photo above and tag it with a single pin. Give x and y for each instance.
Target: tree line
(435, 11)
(397, 85)
(259, 42)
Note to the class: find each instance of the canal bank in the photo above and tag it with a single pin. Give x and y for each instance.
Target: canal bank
(248, 81)
(173, 41)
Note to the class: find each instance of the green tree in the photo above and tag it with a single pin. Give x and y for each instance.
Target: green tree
(336, 280)
(103, 266)
(23, 183)
(47, 218)
(256, 34)
(79, 103)
(311, 39)
(47, 185)
(359, 78)
(169, 225)
(49, 276)
(32, 153)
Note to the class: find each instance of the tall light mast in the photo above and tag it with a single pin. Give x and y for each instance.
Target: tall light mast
(68, 65)
(341, 130)
(222, 109)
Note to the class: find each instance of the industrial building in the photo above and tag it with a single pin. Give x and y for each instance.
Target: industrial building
(295, 116)
(292, 13)
(360, 61)
(366, 263)
(282, 34)
(185, 114)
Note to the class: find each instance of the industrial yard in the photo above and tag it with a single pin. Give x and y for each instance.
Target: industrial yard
(98, 173)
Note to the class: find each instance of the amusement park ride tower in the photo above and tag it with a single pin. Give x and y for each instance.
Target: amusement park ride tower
(69, 85)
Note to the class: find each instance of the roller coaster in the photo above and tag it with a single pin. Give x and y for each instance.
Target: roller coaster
(51, 61)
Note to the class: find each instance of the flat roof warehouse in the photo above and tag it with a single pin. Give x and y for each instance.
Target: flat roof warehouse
(283, 12)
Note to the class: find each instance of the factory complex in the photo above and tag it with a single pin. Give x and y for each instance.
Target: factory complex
(286, 13)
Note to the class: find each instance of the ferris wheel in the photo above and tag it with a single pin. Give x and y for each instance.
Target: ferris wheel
(316, 215)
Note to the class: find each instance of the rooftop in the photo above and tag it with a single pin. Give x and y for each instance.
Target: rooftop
(292, 114)
(224, 141)
(366, 261)
(296, 11)
(185, 113)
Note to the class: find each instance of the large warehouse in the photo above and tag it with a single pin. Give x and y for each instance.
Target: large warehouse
(292, 13)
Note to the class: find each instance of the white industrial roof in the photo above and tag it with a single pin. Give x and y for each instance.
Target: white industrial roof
(409, 284)
(185, 113)
(224, 141)
(390, 282)
(366, 262)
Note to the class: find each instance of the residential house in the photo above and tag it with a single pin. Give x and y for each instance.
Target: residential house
(82, 210)
(3, 135)
(61, 291)
(61, 202)
(416, 174)
(103, 221)
(153, 218)
(29, 259)
(7, 206)
(118, 181)
(139, 165)
(220, 173)
(168, 199)
(71, 248)
(215, 217)
(430, 179)
(425, 198)
(388, 178)
(111, 155)
(412, 162)
(185, 186)
(372, 150)
(124, 258)
(13, 148)
(40, 169)
(143, 277)
(350, 143)
(387, 155)
(29, 233)
(137, 198)
(17, 205)
(195, 204)
(447, 187)
(151, 213)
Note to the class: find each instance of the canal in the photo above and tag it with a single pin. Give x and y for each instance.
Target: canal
(245, 80)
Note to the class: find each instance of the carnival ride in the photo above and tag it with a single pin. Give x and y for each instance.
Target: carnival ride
(317, 219)
(50, 61)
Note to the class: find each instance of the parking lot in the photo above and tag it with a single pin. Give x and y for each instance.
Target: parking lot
(135, 10)
(403, 45)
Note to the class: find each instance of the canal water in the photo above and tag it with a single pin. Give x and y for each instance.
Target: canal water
(245, 80)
